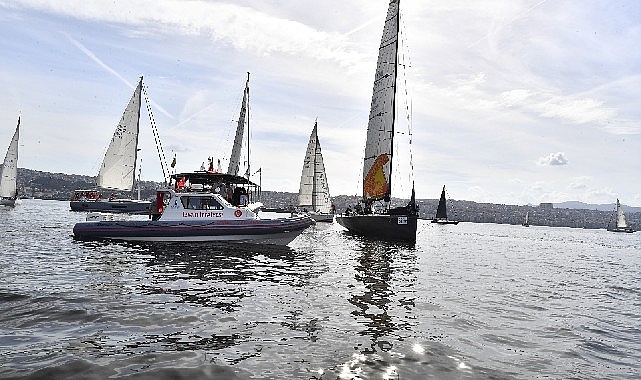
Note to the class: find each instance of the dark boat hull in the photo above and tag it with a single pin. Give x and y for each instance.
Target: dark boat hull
(381, 226)
(264, 231)
(626, 230)
(127, 206)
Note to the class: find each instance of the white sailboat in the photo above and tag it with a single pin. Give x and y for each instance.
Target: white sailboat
(526, 223)
(621, 222)
(385, 223)
(8, 189)
(313, 193)
(118, 170)
(234, 159)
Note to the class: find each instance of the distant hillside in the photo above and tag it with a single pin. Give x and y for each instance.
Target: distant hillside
(601, 207)
(59, 186)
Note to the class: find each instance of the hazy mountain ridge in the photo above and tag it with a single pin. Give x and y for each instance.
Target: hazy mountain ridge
(60, 186)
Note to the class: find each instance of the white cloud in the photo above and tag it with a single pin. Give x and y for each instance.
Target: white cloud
(553, 159)
(578, 111)
(244, 28)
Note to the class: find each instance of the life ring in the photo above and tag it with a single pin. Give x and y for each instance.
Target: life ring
(238, 213)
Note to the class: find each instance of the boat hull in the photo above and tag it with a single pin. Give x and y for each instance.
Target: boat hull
(7, 202)
(321, 217)
(127, 206)
(271, 231)
(626, 230)
(440, 221)
(381, 226)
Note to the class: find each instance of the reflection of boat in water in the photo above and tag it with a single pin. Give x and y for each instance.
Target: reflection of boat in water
(314, 190)
(8, 174)
(202, 206)
(377, 303)
(441, 211)
(393, 224)
(621, 223)
(118, 170)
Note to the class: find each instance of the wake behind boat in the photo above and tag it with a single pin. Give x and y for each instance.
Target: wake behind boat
(201, 206)
(385, 223)
(118, 170)
(8, 174)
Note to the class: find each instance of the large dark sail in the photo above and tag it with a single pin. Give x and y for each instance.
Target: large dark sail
(441, 211)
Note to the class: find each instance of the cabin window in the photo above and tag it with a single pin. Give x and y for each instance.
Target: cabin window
(201, 203)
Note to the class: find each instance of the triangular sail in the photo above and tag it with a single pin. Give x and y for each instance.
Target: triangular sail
(10, 167)
(621, 221)
(377, 166)
(314, 190)
(234, 160)
(119, 165)
(441, 211)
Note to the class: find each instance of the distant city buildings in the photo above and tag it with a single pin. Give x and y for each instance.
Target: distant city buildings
(59, 186)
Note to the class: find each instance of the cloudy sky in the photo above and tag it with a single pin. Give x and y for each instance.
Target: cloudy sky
(511, 101)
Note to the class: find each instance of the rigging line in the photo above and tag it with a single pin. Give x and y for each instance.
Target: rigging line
(408, 107)
(154, 129)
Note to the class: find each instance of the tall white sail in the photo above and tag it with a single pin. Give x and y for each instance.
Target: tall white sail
(314, 190)
(118, 168)
(10, 167)
(377, 165)
(234, 160)
(621, 221)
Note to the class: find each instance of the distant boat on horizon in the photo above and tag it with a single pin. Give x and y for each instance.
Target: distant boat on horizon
(8, 175)
(526, 223)
(441, 211)
(621, 224)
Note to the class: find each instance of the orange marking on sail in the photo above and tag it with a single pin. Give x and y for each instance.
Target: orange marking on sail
(375, 183)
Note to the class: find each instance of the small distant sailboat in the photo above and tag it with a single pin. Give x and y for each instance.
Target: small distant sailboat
(393, 224)
(8, 188)
(118, 169)
(314, 190)
(526, 223)
(441, 211)
(621, 222)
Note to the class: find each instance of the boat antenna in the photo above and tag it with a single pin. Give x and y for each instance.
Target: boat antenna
(154, 130)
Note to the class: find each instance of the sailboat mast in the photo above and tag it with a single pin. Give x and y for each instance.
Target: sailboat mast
(314, 175)
(248, 165)
(133, 184)
(391, 154)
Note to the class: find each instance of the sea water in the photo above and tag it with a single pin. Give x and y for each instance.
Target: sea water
(472, 301)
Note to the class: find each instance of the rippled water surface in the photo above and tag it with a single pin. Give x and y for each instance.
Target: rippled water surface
(473, 301)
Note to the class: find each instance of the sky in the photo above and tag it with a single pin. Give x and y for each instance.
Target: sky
(515, 102)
